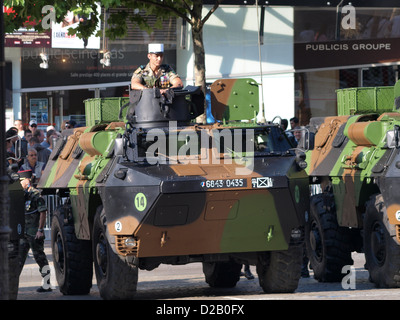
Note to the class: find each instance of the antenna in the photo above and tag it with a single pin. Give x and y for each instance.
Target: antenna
(262, 120)
(338, 15)
(106, 61)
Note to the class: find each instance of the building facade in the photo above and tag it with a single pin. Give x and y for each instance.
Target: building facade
(299, 55)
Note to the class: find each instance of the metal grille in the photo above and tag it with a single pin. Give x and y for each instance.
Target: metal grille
(123, 249)
(379, 76)
(368, 77)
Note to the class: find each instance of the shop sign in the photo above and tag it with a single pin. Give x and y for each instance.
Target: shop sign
(61, 39)
(315, 55)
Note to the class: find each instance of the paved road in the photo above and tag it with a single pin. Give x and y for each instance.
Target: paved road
(187, 283)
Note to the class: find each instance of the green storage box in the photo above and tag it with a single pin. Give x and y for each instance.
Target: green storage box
(104, 110)
(365, 100)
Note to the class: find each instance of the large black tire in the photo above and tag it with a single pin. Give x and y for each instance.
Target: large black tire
(116, 279)
(222, 274)
(280, 271)
(328, 245)
(72, 257)
(382, 253)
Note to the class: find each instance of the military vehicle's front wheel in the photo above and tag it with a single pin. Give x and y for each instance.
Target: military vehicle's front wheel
(279, 271)
(115, 278)
(327, 244)
(222, 274)
(72, 257)
(382, 253)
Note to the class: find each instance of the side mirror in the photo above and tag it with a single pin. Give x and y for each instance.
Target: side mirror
(393, 138)
(119, 147)
(306, 141)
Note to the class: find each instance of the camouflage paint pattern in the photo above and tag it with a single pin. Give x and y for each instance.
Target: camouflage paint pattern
(351, 154)
(168, 208)
(234, 100)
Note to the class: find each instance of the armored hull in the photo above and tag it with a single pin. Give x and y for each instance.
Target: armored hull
(222, 194)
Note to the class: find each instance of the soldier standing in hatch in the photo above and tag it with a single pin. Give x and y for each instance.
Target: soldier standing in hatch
(35, 218)
(155, 73)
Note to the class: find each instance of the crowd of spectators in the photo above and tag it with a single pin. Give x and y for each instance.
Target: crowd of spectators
(31, 147)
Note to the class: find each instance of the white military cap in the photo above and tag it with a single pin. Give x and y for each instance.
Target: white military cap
(156, 48)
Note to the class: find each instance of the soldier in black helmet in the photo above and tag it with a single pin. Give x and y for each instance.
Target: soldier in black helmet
(35, 219)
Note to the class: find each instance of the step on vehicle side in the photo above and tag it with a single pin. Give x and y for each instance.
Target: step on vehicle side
(356, 161)
(157, 188)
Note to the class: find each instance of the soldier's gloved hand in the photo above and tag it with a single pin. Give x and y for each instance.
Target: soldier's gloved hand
(169, 95)
(39, 235)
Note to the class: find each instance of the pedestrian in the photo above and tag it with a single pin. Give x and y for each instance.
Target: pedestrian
(22, 145)
(34, 165)
(294, 122)
(64, 125)
(11, 138)
(45, 143)
(155, 73)
(35, 219)
(32, 126)
(20, 126)
(51, 138)
(43, 153)
(247, 273)
(297, 135)
(39, 133)
(289, 134)
(284, 124)
(50, 131)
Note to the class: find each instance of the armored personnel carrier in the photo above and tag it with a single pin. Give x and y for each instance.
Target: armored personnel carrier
(157, 188)
(356, 161)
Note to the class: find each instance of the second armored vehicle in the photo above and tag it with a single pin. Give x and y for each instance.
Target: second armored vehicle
(356, 161)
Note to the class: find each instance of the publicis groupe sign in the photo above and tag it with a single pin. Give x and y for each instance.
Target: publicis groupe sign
(346, 53)
(368, 46)
(353, 47)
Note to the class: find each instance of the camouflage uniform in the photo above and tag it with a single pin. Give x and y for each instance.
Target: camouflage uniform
(34, 205)
(150, 80)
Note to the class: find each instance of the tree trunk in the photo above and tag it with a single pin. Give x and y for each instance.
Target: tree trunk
(199, 59)
(198, 47)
